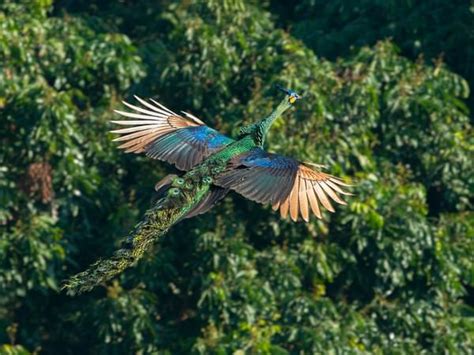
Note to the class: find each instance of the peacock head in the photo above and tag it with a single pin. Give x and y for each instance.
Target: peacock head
(291, 95)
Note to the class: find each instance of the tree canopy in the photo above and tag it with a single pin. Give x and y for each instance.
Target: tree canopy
(390, 273)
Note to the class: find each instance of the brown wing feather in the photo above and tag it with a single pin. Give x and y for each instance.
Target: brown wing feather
(294, 201)
(313, 201)
(284, 208)
(151, 127)
(311, 189)
(288, 185)
(331, 193)
(303, 200)
(163, 134)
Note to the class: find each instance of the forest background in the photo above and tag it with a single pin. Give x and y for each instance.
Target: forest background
(387, 107)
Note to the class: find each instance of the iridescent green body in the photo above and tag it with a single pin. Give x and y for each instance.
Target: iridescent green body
(214, 165)
(186, 192)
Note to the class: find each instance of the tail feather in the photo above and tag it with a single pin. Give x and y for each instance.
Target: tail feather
(158, 220)
(156, 224)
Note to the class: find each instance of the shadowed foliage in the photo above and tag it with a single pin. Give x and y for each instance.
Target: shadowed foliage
(392, 272)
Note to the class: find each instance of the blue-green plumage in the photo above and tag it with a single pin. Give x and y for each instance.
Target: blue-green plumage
(212, 164)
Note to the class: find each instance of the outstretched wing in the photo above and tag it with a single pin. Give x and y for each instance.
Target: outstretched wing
(163, 134)
(284, 182)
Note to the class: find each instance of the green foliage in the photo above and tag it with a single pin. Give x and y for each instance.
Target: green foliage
(431, 28)
(390, 273)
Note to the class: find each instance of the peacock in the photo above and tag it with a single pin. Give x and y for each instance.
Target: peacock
(213, 164)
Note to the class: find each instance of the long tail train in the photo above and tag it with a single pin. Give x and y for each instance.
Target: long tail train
(156, 223)
(174, 205)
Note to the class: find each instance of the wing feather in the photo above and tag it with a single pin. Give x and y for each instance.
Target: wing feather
(155, 116)
(313, 201)
(337, 188)
(164, 108)
(163, 134)
(154, 108)
(284, 208)
(133, 123)
(140, 142)
(133, 129)
(288, 185)
(322, 197)
(303, 201)
(331, 193)
(142, 110)
(130, 136)
(294, 201)
(339, 182)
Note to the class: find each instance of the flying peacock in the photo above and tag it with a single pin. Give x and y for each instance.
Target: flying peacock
(212, 165)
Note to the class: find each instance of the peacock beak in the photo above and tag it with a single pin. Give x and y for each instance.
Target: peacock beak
(293, 97)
